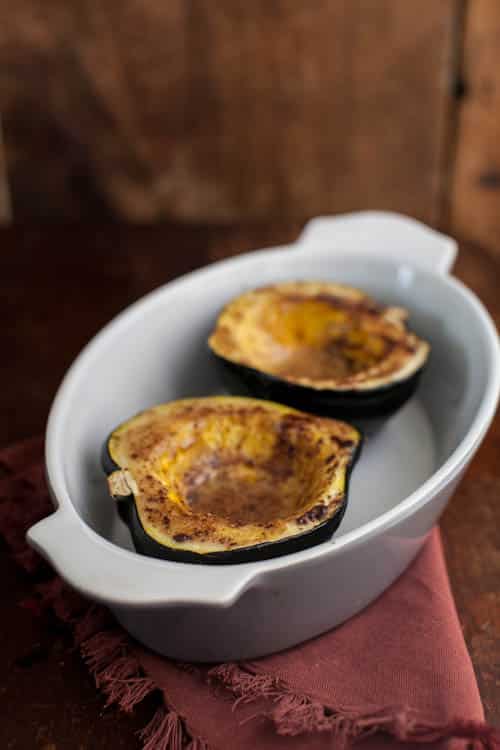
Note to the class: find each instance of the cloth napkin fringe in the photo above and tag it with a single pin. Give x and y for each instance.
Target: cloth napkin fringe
(118, 673)
(164, 732)
(295, 714)
(167, 731)
(109, 655)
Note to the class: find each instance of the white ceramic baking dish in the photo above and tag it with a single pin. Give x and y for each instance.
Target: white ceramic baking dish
(156, 351)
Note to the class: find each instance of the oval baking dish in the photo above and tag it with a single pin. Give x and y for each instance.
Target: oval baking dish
(156, 351)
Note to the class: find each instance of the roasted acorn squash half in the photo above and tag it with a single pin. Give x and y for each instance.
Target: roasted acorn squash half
(322, 347)
(228, 479)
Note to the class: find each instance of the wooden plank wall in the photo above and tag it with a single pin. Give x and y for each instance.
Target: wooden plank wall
(224, 111)
(475, 191)
(237, 111)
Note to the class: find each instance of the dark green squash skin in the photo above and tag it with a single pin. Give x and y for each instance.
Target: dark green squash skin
(145, 545)
(376, 404)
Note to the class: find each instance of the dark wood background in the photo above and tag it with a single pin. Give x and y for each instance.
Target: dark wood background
(237, 111)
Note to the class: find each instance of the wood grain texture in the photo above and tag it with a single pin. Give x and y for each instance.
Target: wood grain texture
(471, 522)
(475, 195)
(49, 297)
(222, 111)
(5, 209)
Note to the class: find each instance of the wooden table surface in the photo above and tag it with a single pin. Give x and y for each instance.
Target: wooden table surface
(59, 286)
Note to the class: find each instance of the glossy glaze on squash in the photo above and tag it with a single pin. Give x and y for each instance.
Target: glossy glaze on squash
(227, 479)
(327, 344)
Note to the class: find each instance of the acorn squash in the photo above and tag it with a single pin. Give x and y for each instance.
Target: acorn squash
(322, 347)
(228, 479)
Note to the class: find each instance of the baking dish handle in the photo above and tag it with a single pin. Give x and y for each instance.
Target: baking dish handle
(104, 572)
(381, 234)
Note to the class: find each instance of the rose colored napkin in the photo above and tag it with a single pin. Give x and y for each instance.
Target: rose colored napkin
(397, 674)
